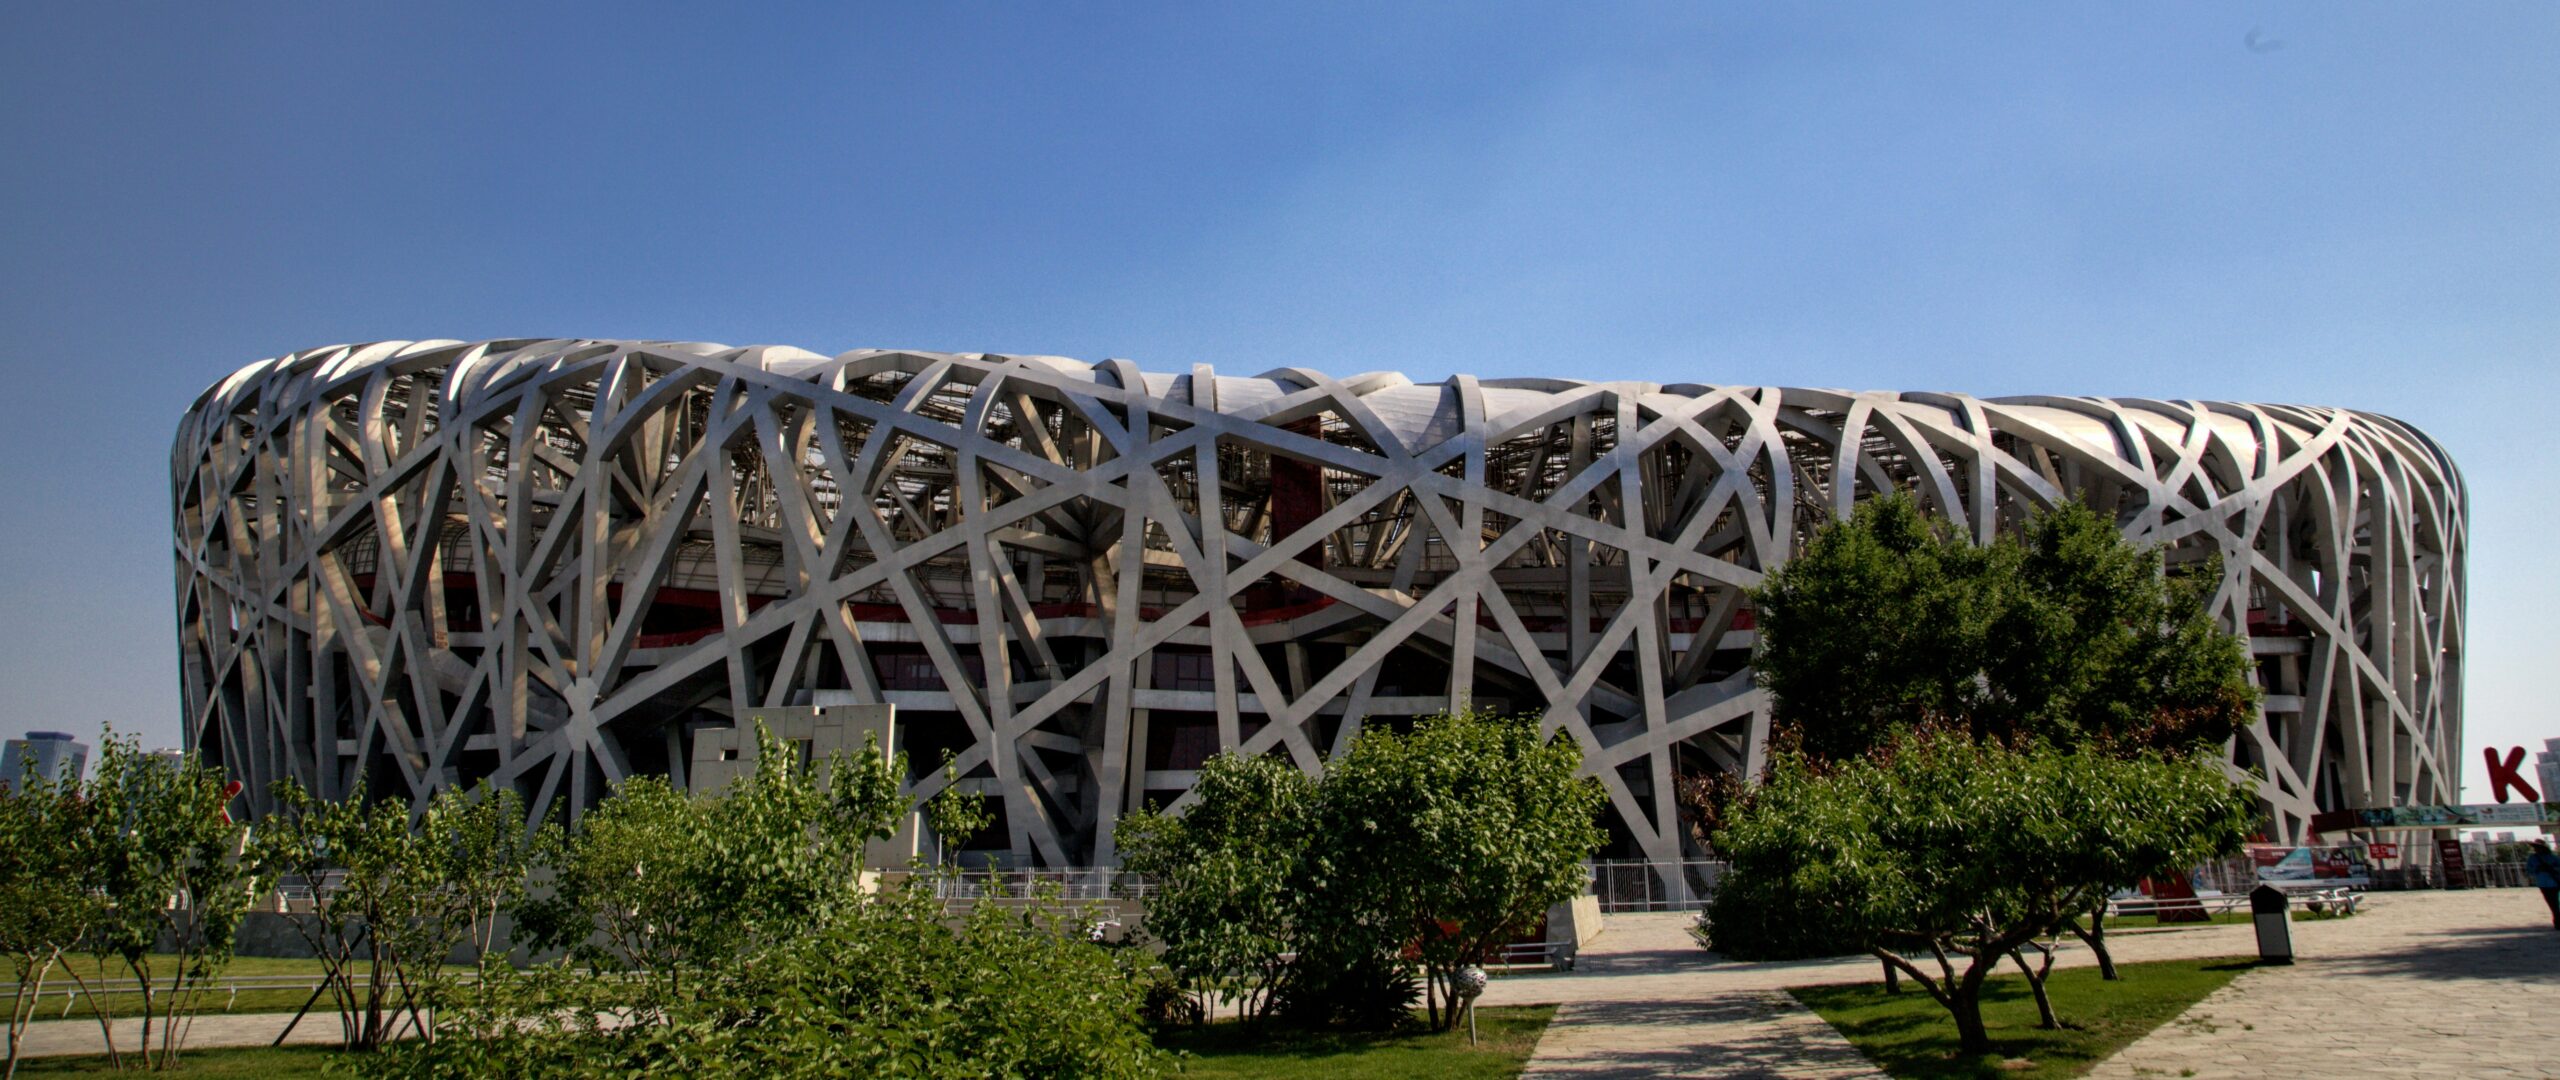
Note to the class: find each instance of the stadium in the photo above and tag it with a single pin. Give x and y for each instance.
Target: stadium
(554, 564)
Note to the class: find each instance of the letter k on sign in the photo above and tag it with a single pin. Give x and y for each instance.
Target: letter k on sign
(2508, 774)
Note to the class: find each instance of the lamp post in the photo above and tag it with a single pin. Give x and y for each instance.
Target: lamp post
(1466, 983)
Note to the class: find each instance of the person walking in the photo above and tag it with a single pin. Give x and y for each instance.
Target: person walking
(2544, 868)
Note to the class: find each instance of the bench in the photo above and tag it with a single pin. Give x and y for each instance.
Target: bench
(2312, 897)
(1555, 954)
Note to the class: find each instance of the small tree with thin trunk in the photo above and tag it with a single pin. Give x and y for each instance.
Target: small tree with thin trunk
(484, 857)
(1960, 852)
(166, 860)
(383, 902)
(46, 903)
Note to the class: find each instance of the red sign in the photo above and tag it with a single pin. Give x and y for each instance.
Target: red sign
(2175, 898)
(2449, 853)
(2508, 774)
(2384, 851)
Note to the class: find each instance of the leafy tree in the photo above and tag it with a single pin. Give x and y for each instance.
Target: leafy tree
(397, 897)
(2066, 633)
(1444, 844)
(46, 903)
(887, 987)
(1956, 849)
(1890, 620)
(1223, 875)
(761, 954)
(165, 856)
(955, 815)
(485, 857)
(671, 884)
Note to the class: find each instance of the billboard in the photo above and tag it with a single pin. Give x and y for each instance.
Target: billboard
(2468, 816)
(2279, 865)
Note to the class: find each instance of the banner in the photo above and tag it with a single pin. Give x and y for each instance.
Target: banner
(2467, 816)
(2449, 857)
(2309, 865)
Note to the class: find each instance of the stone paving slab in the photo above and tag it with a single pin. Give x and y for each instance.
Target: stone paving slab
(2425, 984)
(2422, 984)
(1754, 1033)
(56, 1038)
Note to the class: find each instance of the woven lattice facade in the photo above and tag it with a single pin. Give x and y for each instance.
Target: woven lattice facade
(411, 565)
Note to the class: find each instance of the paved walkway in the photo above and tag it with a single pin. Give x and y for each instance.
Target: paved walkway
(2422, 983)
(1646, 1000)
(54, 1038)
(2426, 984)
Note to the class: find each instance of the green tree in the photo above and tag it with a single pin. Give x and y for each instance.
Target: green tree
(485, 857)
(1958, 850)
(760, 953)
(46, 903)
(1223, 874)
(1891, 620)
(888, 986)
(954, 815)
(167, 866)
(383, 902)
(658, 881)
(2066, 633)
(1448, 843)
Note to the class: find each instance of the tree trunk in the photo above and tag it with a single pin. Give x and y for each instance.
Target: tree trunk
(1964, 997)
(97, 1008)
(1892, 977)
(2095, 937)
(2035, 982)
(1965, 1003)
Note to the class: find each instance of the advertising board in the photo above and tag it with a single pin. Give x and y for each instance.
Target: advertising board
(2278, 865)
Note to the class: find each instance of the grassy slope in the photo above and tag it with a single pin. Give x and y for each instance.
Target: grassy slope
(1910, 1035)
(1246, 1050)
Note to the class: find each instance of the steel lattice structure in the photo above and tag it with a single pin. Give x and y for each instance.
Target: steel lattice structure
(416, 564)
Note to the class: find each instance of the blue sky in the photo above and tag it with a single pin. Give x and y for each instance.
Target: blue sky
(2338, 204)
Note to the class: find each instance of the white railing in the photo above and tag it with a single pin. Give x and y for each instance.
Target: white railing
(1629, 885)
(1075, 884)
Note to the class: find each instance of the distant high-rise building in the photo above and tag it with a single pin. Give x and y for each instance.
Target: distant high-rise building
(53, 755)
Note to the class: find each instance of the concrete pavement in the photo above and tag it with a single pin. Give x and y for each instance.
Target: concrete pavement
(2432, 983)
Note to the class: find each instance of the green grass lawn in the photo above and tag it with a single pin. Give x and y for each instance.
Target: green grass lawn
(1909, 1034)
(162, 965)
(291, 1061)
(1253, 1050)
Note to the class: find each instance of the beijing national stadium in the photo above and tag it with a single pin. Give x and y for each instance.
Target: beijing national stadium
(555, 564)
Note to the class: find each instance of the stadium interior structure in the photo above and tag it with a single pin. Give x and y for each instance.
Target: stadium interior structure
(558, 563)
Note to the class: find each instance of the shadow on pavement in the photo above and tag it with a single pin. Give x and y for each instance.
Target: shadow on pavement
(2507, 954)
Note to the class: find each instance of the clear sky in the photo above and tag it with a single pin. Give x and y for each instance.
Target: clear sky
(2343, 204)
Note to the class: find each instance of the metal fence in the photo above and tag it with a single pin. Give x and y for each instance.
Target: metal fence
(1074, 884)
(1630, 885)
